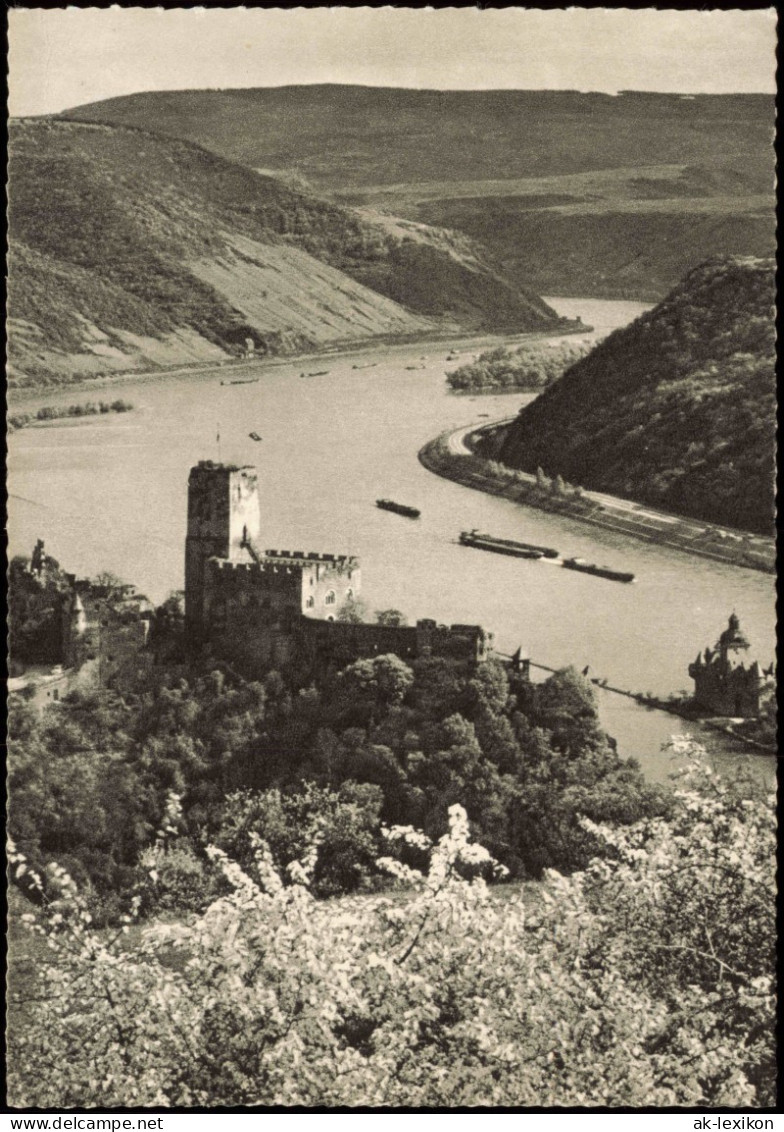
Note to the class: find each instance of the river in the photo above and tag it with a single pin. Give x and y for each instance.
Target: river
(109, 493)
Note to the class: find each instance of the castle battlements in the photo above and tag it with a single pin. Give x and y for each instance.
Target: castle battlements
(249, 569)
(312, 557)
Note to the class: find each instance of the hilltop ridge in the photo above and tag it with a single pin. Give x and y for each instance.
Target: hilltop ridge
(572, 193)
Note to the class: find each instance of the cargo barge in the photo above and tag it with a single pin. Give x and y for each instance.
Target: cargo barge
(499, 546)
(398, 508)
(544, 551)
(598, 571)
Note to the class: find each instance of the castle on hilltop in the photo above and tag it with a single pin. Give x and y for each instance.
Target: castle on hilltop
(275, 607)
(725, 684)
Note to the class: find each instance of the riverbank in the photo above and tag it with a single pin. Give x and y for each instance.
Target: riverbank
(452, 456)
(439, 337)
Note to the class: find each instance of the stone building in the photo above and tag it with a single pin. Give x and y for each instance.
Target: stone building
(261, 607)
(68, 633)
(107, 632)
(724, 683)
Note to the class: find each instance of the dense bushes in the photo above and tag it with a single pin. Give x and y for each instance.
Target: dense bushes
(56, 412)
(527, 367)
(379, 741)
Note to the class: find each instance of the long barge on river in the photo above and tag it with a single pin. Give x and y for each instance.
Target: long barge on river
(598, 571)
(398, 508)
(506, 545)
(499, 546)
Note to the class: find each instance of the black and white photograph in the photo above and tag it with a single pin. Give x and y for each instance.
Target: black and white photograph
(391, 565)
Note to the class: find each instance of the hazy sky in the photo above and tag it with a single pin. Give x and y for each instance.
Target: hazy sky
(64, 57)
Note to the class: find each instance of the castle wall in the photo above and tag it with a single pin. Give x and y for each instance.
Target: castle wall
(341, 643)
(725, 690)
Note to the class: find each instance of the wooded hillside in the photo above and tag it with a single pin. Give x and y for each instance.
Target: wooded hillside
(677, 409)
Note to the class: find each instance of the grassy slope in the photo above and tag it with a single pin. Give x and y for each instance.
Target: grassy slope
(131, 249)
(674, 410)
(607, 196)
(337, 136)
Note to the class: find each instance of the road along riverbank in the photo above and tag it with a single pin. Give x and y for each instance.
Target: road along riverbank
(452, 455)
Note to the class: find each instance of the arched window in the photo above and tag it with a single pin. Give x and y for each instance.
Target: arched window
(330, 598)
(349, 594)
(310, 602)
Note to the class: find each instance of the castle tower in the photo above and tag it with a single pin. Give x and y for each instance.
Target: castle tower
(732, 639)
(723, 683)
(223, 517)
(74, 624)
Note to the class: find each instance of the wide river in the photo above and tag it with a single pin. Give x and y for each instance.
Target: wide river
(109, 493)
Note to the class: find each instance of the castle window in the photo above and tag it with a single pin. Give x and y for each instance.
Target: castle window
(330, 598)
(310, 602)
(349, 594)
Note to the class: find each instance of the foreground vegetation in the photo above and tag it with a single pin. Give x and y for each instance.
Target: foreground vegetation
(645, 980)
(676, 410)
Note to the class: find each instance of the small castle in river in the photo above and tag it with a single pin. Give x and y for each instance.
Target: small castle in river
(724, 683)
(261, 607)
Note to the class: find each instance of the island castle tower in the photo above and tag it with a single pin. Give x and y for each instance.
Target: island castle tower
(724, 683)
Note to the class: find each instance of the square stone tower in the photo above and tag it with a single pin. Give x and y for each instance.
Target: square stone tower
(223, 517)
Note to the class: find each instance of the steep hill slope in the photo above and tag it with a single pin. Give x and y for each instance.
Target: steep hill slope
(574, 194)
(130, 250)
(677, 409)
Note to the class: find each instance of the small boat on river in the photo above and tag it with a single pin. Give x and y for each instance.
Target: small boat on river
(241, 381)
(598, 571)
(398, 508)
(254, 436)
(540, 551)
(369, 365)
(498, 546)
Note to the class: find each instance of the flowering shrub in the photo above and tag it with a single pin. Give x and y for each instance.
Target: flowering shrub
(632, 984)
